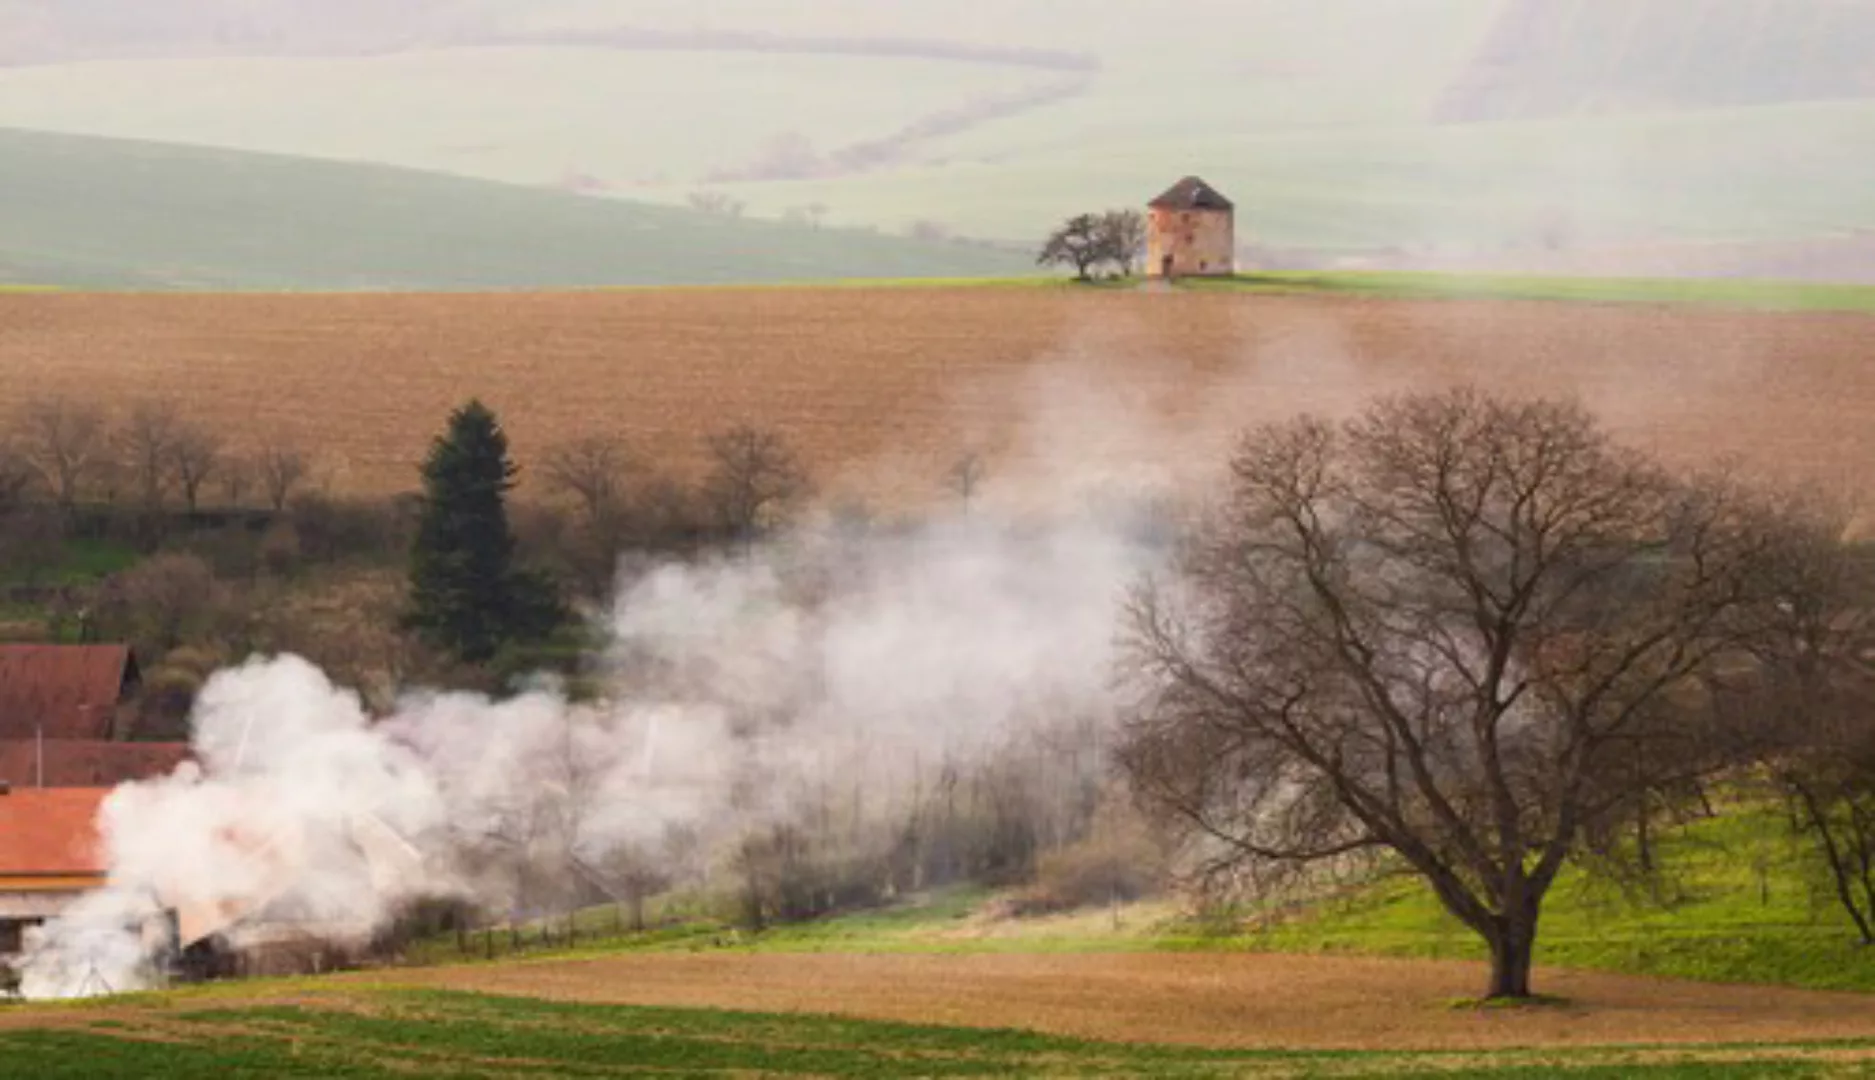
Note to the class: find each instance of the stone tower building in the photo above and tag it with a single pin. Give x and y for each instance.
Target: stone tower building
(1192, 232)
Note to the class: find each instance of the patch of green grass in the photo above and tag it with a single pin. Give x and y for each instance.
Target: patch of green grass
(1739, 902)
(1029, 281)
(399, 1033)
(88, 561)
(1758, 295)
(80, 562)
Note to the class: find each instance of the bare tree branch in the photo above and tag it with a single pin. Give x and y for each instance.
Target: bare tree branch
(1440, 628)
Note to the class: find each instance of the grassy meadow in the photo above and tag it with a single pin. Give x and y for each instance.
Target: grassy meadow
(397, 1033)
(88, 213)
(1738, 902)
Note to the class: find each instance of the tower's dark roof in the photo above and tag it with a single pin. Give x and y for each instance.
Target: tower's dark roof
(1191, 193)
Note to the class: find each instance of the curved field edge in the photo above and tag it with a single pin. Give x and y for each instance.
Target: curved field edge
(1712, 292)
(394, 1033)
(1741, 294)
(1738, 902)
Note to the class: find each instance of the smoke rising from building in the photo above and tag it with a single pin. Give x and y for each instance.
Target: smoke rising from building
(828, 672)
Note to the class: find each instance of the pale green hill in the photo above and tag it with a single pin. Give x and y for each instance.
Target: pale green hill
(96, 213)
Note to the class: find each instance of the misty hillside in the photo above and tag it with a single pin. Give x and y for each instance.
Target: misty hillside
(1723, 137)
(47, 31)
(1556, 57)
(95, 213)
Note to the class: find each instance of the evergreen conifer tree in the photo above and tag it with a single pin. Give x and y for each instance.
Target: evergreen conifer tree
(467, 596)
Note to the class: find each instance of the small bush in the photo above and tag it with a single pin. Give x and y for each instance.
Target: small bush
(367, 530)
(280, 549)
(1119, 861)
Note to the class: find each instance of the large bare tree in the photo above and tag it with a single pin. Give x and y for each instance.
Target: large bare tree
(67, 444)
(147, 448)
(1807, 703)
(754, 478)
(1126, 234)
(593, 471)
(197, 456)
(281, 469)
(1439, 631)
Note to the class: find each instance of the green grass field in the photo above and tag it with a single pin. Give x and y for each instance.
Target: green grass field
(1738, 902)
(1789, 296)
(362, 1034)
(1754, 295)
(92, 213)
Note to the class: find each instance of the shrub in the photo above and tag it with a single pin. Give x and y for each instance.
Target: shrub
(1119, 861)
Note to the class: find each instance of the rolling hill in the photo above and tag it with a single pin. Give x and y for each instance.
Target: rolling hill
(1558, 57)
(1710, 137)
(83, 212)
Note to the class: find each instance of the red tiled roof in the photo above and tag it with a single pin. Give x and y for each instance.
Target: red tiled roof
(50, 833)
(86, 762)
(69, 691)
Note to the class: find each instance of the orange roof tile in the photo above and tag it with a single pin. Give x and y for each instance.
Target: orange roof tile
(51, 832)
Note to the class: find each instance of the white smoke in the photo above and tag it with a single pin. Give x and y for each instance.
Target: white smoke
(730, 688)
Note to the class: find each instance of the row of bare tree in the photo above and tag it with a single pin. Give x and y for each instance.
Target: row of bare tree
(69, 452)
(798, 846)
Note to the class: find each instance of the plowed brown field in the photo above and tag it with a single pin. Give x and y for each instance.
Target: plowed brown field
(1203, 999)
(880, 388)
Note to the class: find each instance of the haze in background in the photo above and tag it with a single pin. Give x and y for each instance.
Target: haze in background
(1725, 137)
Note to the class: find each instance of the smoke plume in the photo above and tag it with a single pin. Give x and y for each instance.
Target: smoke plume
(832, 669)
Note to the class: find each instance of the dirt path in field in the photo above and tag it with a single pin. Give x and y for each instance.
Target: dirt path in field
(1208, 1000)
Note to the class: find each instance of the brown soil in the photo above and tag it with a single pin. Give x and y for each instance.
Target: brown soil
(881, 388)
(1209, 1000)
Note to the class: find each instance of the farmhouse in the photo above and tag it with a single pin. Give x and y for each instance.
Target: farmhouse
(80, 763)
(63, 710)
(49, 855)
(79, 692)
(1192, 232)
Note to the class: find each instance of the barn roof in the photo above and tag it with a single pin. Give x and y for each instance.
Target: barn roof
(86, 762)
(51, 833)
(66, 691)
(1192, 193)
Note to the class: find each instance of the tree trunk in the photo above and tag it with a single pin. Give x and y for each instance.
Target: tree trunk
(1643, 836)
(1512, 952)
